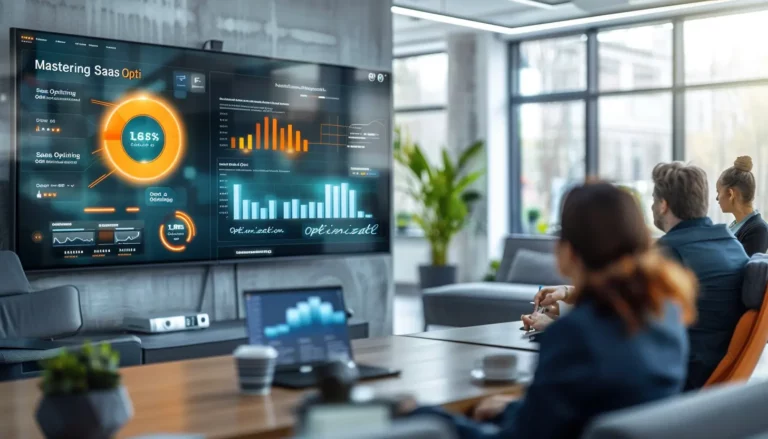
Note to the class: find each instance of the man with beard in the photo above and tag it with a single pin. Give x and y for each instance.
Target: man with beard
(680, 204)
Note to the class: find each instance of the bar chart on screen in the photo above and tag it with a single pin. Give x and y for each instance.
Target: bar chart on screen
(305, 315)
(312, 202)
(270, 134)
(267, 134)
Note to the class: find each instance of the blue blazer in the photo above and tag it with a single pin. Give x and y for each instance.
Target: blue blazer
(588, 365)
(717, 259)
(753, 235)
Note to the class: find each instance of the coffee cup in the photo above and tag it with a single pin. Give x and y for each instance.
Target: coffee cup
(255, 368)
(501, 367)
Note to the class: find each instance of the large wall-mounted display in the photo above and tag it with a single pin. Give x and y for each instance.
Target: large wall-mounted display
(130, 153)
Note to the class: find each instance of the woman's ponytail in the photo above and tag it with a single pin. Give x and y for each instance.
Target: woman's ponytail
(636, 287)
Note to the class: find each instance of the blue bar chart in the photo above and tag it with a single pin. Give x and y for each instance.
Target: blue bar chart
(305, 314)
(336, 201)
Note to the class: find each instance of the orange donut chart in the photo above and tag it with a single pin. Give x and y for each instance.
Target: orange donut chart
(114, 150)
(188, 226)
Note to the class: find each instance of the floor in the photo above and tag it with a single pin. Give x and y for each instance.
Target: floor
(408, 319)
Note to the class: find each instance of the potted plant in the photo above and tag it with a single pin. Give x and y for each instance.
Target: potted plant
(493, 270)
(82, 395)
(444, 197)
(403, 221)
(534, 215)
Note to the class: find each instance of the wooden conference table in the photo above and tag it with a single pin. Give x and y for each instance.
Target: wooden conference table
(201, 396)
(501, 335)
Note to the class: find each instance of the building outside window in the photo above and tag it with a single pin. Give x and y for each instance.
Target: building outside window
(420, 98)
(635, 111)
(725, 113)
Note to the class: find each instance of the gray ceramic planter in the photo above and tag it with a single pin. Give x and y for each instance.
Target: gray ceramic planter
(95, 415)
(431, 276)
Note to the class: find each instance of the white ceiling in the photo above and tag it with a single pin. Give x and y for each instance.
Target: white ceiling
(465, 8)
(412, 34)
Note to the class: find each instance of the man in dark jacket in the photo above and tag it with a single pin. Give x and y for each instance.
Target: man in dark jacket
(680, 204)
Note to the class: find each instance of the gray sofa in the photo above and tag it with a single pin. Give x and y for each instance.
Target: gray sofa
(735, 411)
(527, 264)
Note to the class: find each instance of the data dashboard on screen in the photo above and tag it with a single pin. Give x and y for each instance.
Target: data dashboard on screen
(128, 153)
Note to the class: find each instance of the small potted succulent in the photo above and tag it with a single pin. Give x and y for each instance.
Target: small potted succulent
(82, 395)
(403, 221)
(493, 269)
(534, 215)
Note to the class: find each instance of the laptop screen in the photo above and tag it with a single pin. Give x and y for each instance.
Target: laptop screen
(306, 326)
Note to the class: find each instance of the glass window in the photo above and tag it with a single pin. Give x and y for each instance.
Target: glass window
(429, 130)
(725, 123)
(420, 80)
(635, 135)
(726, 48)
(552, 143)
(554, 65)
(610, 73)
(638, 57)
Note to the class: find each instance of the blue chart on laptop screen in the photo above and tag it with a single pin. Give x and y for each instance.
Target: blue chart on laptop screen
(305, 327)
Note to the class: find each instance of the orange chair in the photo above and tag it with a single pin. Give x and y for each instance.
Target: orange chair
(746, 347)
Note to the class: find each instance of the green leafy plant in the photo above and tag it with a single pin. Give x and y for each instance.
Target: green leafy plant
(403, 220)
(534, 214)
(442, 191)
(85, 370)
(493, 269)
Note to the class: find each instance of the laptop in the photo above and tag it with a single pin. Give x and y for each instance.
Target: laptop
(307, 327)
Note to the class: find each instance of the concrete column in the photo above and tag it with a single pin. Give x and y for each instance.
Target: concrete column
(478, 109)
(462, 131)
(493, 113)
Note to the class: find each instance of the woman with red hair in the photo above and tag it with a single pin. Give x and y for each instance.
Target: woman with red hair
(624, 342)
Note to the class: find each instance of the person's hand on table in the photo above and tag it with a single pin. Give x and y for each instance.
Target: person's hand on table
(538, 321)
(551, 311)
(406, 405)
(491, 407)
(548, 296)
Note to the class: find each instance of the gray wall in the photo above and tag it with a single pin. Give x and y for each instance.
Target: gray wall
(349, 32)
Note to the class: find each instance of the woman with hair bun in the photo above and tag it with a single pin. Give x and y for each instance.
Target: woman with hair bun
(736, 194)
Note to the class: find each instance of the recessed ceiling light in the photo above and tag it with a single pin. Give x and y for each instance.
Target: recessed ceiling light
(534, 4)
(573, 22)
(448, 19)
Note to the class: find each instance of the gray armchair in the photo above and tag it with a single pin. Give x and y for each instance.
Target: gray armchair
(735, 411)
(32, 323)
(528, 263)
(47, 314)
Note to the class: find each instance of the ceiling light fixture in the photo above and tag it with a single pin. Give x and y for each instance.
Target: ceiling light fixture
(448, 19)
(534, 28)
(534, 4)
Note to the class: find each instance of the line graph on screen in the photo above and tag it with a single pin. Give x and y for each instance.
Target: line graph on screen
(132, 236)
(73, 239)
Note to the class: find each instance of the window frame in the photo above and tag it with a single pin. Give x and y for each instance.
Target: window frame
(423, 107)
(592, 93)
(416, 109)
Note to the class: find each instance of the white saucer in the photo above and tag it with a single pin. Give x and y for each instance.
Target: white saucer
(522, 377)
